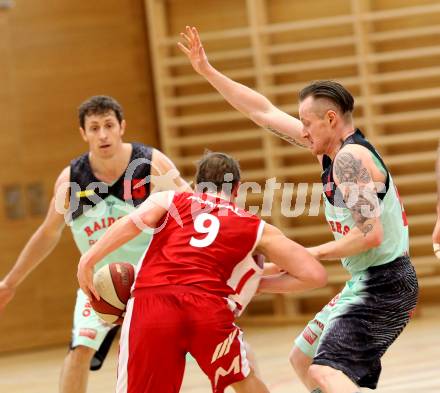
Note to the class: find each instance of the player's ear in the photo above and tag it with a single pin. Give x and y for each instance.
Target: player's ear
(83, 134)
(331, 117)
(123, 125)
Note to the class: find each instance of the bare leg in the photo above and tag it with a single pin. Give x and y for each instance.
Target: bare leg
(251, 384)
(75, 371)
(301, 364)
(331, 380)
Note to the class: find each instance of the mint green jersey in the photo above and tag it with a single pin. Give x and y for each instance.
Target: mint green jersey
(395, 228)
(395, 239)
(89, 227)
(95, 206)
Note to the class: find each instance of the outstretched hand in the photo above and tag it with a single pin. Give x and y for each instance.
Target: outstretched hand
(436, 238)
(6, 294)
(193, 49)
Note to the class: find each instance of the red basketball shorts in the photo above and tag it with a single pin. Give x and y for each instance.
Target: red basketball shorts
(162, 324)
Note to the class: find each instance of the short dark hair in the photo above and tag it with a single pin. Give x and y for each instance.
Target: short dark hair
(218, 169)
(99, 105)
(330, 90)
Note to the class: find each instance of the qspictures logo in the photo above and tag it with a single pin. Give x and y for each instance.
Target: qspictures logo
(288, 199)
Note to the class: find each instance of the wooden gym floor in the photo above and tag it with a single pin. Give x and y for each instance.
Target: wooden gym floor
(411, 365)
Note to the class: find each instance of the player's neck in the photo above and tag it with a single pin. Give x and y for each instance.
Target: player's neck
(222, 195)
(111, 169)
(337, 143)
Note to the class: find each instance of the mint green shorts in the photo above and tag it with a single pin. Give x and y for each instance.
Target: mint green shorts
(88, 329)
(356, 328)
(308, 340)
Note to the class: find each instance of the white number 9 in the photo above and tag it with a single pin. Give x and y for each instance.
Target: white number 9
(211, 230)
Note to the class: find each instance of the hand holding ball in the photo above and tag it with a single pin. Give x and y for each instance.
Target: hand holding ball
(113, 283)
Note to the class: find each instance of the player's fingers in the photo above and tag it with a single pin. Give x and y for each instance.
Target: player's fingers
(183, 48)
(86, 291)
(436, 247)
(184, 36)
(189, 33)
(196, 36)
(80, 281)
(94, 292)
(196, 41)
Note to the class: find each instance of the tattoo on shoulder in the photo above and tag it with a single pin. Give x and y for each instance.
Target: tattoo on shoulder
(367, 228)
(360, 198)
(348, 169)
(287, 138)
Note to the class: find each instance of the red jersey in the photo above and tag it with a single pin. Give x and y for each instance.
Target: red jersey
(207, 242)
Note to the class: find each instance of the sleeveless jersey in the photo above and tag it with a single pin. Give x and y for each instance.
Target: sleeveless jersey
(94, 205)
(395, 227)
(206, 242)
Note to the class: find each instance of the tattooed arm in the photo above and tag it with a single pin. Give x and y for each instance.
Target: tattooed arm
(252, 104)
(355, 175)
(287, 138)
(436, 233)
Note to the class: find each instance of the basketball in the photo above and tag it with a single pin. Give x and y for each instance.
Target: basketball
(113, 283)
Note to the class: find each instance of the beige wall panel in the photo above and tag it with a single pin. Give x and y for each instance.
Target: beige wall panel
(211, 15)
(60, 53)
(386, 52)
(279, 11)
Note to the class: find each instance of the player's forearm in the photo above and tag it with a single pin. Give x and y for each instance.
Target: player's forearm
(303, 270)
(247, 101)
(271, 269)
(285, 283)
(39, 246)
(121, 232)
(355, 242)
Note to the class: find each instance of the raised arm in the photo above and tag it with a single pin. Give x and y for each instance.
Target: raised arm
(122, 231)
(40, 245)
(301, 271)
(249, 102)
(436, 233)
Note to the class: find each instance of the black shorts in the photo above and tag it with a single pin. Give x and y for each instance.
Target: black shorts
(369, 318)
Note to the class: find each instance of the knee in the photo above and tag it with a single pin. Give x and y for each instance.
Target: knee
(81, 354)
(321, 374)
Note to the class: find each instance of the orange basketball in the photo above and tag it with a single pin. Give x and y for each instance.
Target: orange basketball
(113, 283)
